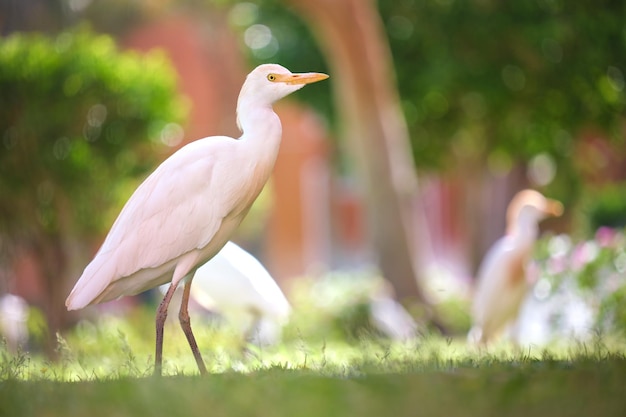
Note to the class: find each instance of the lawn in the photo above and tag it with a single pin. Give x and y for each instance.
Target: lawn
(535, 388)
(104, 369)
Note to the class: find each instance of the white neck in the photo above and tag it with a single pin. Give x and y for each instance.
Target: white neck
(525, 230)
(261, 133)
(254, 115)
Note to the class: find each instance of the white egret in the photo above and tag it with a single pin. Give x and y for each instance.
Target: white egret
(389, 316)
(14, 312)
(237, 286)
(187, 209)
(502, 282)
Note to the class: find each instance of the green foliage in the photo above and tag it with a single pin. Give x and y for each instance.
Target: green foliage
(513, 78)
(76, 114)
(497, 83)
(613, 309)
(607, 206)
(507, 79)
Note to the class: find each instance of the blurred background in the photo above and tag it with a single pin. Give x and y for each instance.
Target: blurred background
(399, 167)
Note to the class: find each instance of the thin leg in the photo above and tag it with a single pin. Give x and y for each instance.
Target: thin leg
(160, 322)
(185, 323)
(253, 329)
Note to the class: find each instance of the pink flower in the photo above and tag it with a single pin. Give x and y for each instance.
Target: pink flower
(556, 265)
(605, 236)
(583, 254)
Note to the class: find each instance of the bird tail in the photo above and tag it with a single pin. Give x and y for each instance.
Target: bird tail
(94, 280)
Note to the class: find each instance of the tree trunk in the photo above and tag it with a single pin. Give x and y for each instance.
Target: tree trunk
(53, 261)
(351, 35)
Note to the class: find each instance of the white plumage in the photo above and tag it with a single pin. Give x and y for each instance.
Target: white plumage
(501, 281)
(188, 208)
(235, 284)
(13, 321)
(389, 317)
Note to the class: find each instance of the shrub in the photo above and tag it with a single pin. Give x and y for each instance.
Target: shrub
(79, 123)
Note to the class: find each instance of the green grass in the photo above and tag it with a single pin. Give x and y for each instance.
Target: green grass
(537, 388)
(330, 363)
(104, 369)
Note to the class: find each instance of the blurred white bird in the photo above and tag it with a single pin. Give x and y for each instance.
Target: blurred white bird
(13, 321)
(389, 316)
(238, 287)
(502, 282)
(187, 209)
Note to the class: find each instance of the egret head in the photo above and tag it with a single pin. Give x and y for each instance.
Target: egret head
(530, 206)
(268, 83)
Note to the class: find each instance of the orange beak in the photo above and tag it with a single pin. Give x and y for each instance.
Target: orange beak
(301, 78)
(554, 208)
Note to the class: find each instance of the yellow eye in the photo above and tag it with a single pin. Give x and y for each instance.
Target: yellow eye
(271, 77)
